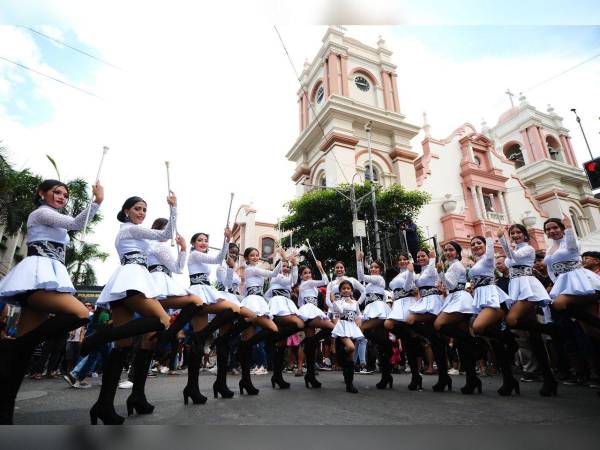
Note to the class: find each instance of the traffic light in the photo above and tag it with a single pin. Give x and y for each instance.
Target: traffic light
(592, 170)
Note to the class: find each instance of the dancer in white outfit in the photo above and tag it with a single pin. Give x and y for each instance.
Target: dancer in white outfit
(346, 330)
(41, 285)
(225, 311)
(130, 289)
(405, 292)
(527, 292)
(492, 304)
(456, 311)
(374, 315)
(314, 318)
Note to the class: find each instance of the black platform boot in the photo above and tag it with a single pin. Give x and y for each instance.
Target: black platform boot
(107, 333)
(137, 400)
(220, 386)
(236, 329)
(438, 346)
(384, 355)
(409, 342)
(509, 383)
(192, 390)
(104, 408)
(310, 348)
(169, 336)
(14, 361)
(244, 358)
(278, 357)
(549, 386)
(466, 354)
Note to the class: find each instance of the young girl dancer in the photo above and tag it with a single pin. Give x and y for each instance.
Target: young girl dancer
(455, 314)
(313, 317)
(346, 330)
(41, 285)
(131, 289)
(374, 315)
(224, 308)
(405, 292)
(527, 292)
(424, 312)
(491, 303)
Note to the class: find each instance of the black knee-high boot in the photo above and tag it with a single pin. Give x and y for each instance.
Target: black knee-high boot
(409, 342)
(14, 360)
(323, 333)
(438, 346)
(169, 336)
(347, 366)
(220, 385)
(509, 383)
(466, 351)
(192, 389)
(384, 353)
(550, 385)
(310, 348)
(278, 357)
(137, 400)
(104, 408)
(245, 360)
(106, 334)
(581, 314)
(51, 328)
(238, 326)
(218, 321)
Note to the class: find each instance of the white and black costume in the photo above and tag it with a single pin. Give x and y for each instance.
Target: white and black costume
(255, 279)
(348, 311)
(482, 276)
(405, 291)
(334, 288)
(455, 280)
(430, 300)
(374, 298)
(565, 269)
(308, 299)
(161, 265)
(280, 303)
(228, 283)
(132, 245)
(199, 269)
(44, 266)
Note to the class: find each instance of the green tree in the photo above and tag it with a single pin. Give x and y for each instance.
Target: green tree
(324, 217)
(79, 257)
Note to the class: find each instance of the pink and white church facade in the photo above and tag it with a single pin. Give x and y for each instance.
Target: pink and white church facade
(522, 169)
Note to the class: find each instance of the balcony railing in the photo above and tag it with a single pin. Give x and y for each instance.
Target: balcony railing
(495, 216)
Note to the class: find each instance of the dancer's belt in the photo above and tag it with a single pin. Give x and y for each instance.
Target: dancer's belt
(401, 293)
(254, 290)
(564, 266)
(134, 258)
(459, 287)
(373, 297)
(425, 291)
(348, 315)
(312, 301)
(199, 278)
(337, 296)
(482, 281)
(159, 268)
(47, 249)
(221, 287)
(520, 271)
(282, 292)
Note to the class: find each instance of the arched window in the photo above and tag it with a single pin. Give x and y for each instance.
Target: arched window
(267, 247)
(368, 173)
(575, 220)
(322, 179)
(554, 149)
(515, 154)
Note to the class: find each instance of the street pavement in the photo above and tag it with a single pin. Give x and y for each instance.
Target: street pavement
(52, 402)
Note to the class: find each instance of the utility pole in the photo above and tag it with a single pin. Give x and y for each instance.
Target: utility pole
(373, 198)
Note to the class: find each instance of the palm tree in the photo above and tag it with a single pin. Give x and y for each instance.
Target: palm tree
(79, 257)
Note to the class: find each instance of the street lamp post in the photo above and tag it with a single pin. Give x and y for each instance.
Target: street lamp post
(373, 198)
(582, 132)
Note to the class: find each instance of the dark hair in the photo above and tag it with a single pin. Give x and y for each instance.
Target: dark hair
(399, 255)
(343, 283)
(302, 269)
(540, 254)
(456, 247)
(521, 228)
(233, 245)
(122, 217)
(424, 250)
(196, 236)
(481, 238)
(558, 222)
(248, 251)
(591, 254)
(45, 186)
(160, 223)
(339, 262)
(380, 264)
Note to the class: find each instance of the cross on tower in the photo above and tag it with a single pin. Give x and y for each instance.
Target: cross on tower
(510, 95)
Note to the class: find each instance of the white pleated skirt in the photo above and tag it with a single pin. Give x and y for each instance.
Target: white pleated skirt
(459, 302)
(167, 286)
(527, 288)
(128, 277)
(282, 306)
(430, 304)
(230, 297)
(376, 310)
(401, 308)
(576, 282)
(206, 292)
(257, 305)
(490, 296)
(308, 311)
(347, 329)
(36, 272)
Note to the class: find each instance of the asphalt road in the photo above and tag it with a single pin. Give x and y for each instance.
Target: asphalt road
(51, 402)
